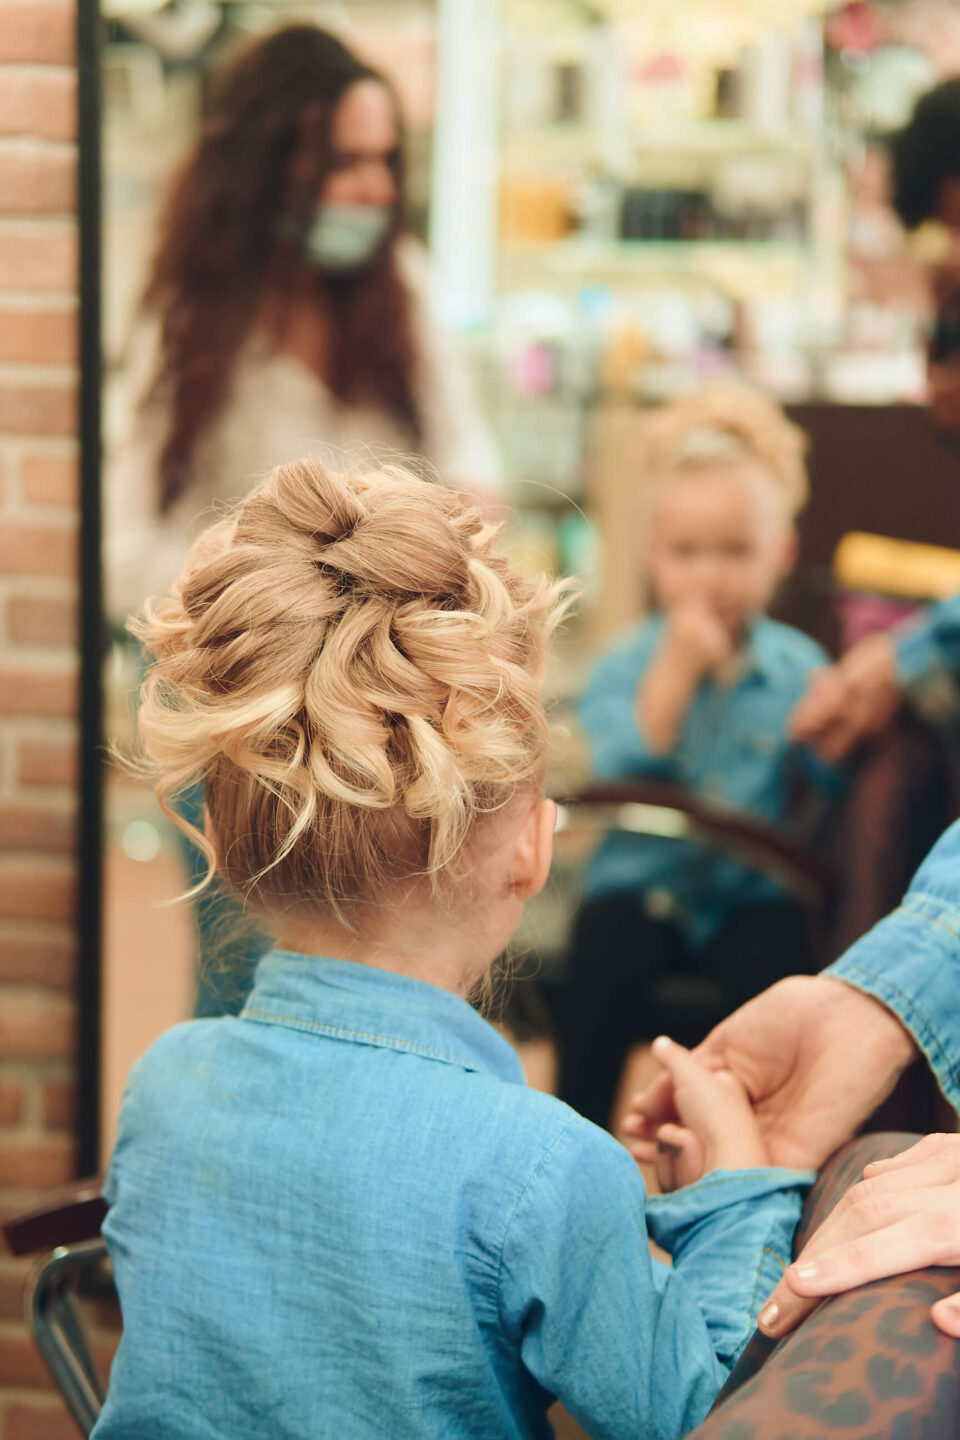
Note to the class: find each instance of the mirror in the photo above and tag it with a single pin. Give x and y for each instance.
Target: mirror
(615, 208)
(156, 72)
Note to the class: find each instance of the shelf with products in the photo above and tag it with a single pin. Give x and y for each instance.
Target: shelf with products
(559, 143)
(743, 269)
(662, 211)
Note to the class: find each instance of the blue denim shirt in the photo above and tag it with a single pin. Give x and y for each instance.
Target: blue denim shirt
(928, 659)
(342, 1214)
(732, 749)
(911, 961)
(930, 644)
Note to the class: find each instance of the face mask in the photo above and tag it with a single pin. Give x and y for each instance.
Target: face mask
(346, 237)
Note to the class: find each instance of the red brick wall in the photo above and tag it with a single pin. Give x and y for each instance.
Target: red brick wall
(38, 600)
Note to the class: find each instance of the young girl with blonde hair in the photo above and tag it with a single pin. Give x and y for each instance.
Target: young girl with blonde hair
(342, 1214)
(673, 935)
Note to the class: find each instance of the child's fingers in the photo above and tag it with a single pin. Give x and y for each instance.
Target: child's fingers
(676, 1060)
(674, 1137)
(645, 1152)
(673, 1147)
(666, 1172)
(650, 1107)
(715, 1106)
(681, 1156)
(700, 1092)
(696, 1093)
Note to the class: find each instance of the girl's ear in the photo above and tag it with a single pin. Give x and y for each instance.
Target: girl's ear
(534, 850)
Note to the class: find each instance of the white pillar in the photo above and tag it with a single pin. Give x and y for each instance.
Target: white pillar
(463, 212)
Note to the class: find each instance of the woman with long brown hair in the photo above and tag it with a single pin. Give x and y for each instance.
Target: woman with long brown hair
(284, 313)
(284, 316)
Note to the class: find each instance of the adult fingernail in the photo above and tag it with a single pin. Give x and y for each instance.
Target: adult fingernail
(806, 1271)
(662, 1042)
(768, 1317)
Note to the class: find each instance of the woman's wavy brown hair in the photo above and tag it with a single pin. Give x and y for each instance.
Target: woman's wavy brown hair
(354, 671)
(233, 216)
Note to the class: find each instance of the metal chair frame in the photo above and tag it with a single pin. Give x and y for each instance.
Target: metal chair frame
(58, 1332)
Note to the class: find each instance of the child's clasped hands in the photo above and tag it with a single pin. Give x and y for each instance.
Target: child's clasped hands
(715, 1129)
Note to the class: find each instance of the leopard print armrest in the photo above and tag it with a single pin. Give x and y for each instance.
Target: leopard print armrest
(866, 1366)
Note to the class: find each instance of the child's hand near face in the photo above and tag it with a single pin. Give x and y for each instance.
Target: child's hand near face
(718, 1130)
(695, 643)
(697, 640)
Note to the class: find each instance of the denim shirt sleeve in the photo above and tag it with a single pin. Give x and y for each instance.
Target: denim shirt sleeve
(608, 712)
(629, 1345)
(829, 780)
(121, 1143)
(931, 645)
(911, 962)
(751, 1213)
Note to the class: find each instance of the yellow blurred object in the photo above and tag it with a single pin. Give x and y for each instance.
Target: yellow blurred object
(903, 568)
(534, 210)
(627, 351)
(931, 243)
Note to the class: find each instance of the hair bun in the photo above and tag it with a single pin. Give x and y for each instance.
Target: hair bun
(400, 547)
(355, 673)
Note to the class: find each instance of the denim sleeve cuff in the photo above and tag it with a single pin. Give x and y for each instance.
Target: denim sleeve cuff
(731, 1237)
(910, 962)
(670, 1216)
(917, 655)
(833, 779)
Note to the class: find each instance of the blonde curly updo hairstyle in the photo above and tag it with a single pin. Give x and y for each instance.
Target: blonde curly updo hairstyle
(354, 672)
(722, 424)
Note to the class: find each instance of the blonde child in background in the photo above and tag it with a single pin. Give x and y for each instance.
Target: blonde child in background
(342, 1213)
(698, 695)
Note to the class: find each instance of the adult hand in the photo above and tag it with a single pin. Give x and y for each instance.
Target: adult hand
(816, 1057)
(850, 701)
(903, 1215)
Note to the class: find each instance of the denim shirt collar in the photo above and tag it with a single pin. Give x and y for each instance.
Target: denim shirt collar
(754, 663)
(366, 1006)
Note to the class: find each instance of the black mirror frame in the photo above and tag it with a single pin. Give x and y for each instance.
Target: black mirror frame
(90, 700)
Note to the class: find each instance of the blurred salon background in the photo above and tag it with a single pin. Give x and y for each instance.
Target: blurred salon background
(536, 223)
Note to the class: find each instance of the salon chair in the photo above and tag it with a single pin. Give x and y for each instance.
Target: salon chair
(905, 789)
(683, 1002)
(812, 871)
(868, 1365)
(645, 807)
(862, 1366)
(67, 1227)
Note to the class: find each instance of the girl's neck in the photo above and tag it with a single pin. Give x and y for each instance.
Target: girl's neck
(444, 955)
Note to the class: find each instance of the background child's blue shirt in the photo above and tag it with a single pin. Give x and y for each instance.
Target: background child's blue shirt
(733, 749)
(930, 644)
(343, 1214)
